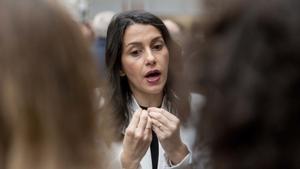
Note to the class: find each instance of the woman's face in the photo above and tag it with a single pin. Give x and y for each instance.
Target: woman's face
(145, 59)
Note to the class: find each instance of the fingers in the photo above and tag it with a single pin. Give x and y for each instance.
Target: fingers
(157, 124)
(149, 124)
(148, 131)
(165, 113)
(157, 115)
(142, 123)
(135, 120)
(158, 131)
(163, 126)
(161, 121)
(137, 137)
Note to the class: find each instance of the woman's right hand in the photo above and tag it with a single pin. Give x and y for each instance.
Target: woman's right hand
(138, 136)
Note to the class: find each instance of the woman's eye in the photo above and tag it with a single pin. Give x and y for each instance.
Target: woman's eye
(158, 47)
(135, 53)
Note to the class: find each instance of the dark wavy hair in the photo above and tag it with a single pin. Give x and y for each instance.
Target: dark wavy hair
(250, 58)
(120, 94)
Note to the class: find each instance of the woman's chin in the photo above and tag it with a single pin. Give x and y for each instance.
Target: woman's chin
(155, 90)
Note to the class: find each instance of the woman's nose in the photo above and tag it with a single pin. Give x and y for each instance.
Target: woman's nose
(150, 58)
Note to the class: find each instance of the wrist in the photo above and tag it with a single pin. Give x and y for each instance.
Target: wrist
(178, 154)
(127, 163)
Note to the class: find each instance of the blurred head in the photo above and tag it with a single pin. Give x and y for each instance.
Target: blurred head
(130, 27)
(251, 71)
(176, 31)
(173, 27)
(100, 23)
(47, 111)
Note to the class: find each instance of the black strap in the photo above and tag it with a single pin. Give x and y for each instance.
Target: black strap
(153, 147)
(154, 150)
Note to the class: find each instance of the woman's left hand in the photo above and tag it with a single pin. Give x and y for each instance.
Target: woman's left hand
(167, 128)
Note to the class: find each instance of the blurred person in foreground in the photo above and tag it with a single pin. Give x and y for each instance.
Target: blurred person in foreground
(47, 100)
(87, 32)
(250, 70)
(139, 56)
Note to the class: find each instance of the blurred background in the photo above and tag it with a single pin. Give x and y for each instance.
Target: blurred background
(180, 11)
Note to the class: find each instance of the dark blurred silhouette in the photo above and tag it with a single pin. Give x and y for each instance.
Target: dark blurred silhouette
(47, 90)
(246, 60)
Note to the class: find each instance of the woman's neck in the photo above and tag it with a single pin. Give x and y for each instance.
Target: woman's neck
(148, 100)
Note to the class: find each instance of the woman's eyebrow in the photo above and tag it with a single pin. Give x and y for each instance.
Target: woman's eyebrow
(139, 43)
(157, 38)
(133, 44)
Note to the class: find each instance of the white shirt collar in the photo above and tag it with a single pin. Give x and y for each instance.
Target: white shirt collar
(134, 106)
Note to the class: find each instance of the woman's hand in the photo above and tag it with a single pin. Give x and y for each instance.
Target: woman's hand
(137, 139)
(167, 128)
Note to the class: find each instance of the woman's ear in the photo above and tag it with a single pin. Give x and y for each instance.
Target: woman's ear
(122, 74)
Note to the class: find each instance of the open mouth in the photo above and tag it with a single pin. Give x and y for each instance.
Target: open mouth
(151, 74)
(153, 77)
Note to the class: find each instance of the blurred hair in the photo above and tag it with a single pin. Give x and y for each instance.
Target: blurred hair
(88, 32)
(250, 69)
(121, 93)
(172, 26)
(100, 23)
(47, 100)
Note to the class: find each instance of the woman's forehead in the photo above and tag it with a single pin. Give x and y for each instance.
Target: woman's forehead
(140, 32)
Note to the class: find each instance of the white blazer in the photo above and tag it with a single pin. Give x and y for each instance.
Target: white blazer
(163, 162)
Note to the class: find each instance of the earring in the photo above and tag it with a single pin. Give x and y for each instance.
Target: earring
(122, 74)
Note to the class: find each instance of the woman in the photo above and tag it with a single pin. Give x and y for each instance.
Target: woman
(138, 54)
(250, 65)
(47, 111)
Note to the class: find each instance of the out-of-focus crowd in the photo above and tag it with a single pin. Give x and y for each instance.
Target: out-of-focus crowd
(133, 90)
